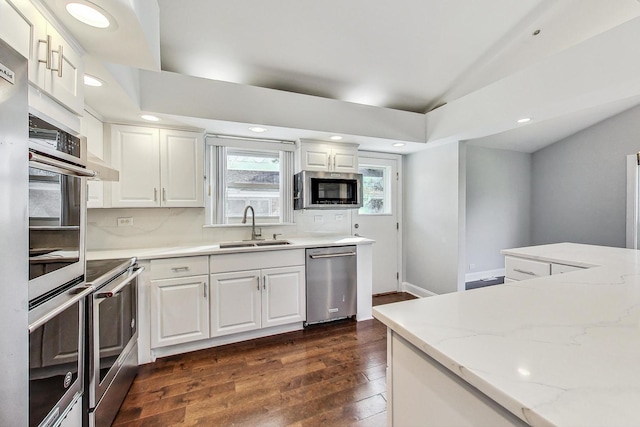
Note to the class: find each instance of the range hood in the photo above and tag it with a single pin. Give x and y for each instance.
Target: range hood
(104, 172)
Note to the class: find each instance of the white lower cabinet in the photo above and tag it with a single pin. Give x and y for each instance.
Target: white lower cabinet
(179, 310)
(179, 300)
(517, 268)
(246, 300)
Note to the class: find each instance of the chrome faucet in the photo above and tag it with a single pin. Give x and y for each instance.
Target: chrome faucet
(254, 235)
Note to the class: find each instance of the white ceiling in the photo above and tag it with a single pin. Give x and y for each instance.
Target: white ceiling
(410, 55)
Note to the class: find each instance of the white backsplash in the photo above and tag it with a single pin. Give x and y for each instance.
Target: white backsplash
(161, 227)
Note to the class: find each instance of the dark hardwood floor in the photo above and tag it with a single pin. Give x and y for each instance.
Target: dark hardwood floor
(331, 374)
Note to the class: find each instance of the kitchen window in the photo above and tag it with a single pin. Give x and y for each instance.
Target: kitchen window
(245, 172)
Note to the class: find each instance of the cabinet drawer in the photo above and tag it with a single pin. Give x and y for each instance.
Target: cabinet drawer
(523, 269)
(256, 260)
(179, 267)
(562, 268)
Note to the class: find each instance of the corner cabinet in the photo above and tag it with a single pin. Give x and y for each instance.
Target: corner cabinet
(319, 156)
(244, 299)
(158, 167)
(179, 296)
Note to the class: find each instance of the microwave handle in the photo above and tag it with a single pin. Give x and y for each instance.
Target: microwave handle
(69, 169)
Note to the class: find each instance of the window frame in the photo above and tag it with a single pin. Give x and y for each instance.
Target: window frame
(216, 165)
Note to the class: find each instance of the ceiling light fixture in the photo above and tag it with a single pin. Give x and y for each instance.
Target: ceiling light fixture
(89, 14)
(399, 144)
(336, 138)
(257, 129)
(89, 80)
(150, 118)
(524, 120)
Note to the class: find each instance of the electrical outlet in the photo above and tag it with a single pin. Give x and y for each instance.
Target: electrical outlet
(318, 218)
(125, 221)
(339, 217)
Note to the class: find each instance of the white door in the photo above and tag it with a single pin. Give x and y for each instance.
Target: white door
(181, 171)
(378, 219)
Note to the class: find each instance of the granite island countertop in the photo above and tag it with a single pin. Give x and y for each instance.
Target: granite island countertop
(557, 350)
(214, 248)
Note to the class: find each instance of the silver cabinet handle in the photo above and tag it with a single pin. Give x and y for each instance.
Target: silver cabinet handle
(179, 269)
(264, 282)
(155, 194)
(47, 62)
(332, 255)
(164, 194)
(205, 288)
(530, 273)
(60, 60)
(258, 279)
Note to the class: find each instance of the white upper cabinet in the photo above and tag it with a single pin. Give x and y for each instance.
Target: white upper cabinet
(157, 167)
(318, 156)
(182, 168)
(55, 67)
(93, 129)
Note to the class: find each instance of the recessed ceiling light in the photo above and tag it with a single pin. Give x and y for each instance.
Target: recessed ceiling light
(150, 118)
(257, 129)
(89, 80)
(336, 137)
(524, 120)
(399, 144)
(89, 14)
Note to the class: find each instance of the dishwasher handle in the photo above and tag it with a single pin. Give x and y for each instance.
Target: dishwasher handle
(332, 255)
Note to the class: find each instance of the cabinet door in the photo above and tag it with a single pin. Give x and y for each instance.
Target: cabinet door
(63, 80)
(135, 152)
(22, 26)
(283, 296)
(182, 176)
(235, 302)
(179, 310)
(344, 160)
(315, 157)
(93, 129)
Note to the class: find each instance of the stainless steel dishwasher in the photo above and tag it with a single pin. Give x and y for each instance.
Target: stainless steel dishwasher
(331, 283)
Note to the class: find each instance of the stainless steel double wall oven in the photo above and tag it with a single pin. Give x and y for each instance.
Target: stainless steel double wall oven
(57, 289)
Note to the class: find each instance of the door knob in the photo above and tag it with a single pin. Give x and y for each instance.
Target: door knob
(356, 226)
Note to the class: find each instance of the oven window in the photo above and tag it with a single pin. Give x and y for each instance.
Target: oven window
(333, 191)
(117, 325)
(53, 362)
(54, 221)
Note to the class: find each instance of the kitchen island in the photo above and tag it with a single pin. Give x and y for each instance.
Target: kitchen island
(557, 350)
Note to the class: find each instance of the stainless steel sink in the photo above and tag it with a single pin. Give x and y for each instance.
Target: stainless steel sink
(253, 243)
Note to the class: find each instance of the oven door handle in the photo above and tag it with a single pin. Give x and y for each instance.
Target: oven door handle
(113, 290)
(83, 292)
(67, 168)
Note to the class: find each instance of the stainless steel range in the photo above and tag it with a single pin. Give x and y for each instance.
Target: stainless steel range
(112, 337)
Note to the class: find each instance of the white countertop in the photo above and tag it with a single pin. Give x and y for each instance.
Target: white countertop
(214, 248)
(558, 350)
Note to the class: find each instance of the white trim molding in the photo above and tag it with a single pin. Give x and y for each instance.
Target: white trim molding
(417, 290)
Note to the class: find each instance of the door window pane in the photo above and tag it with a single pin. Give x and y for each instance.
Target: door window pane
(375, 190)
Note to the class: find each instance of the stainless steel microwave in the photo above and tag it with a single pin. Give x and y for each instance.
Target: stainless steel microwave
(327, 190)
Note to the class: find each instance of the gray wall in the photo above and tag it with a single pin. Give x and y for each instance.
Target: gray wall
(498, 203)
(579, 184)
(433, 202)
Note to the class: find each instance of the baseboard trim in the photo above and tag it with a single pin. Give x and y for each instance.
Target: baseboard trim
(479, 275)
(417, 290)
